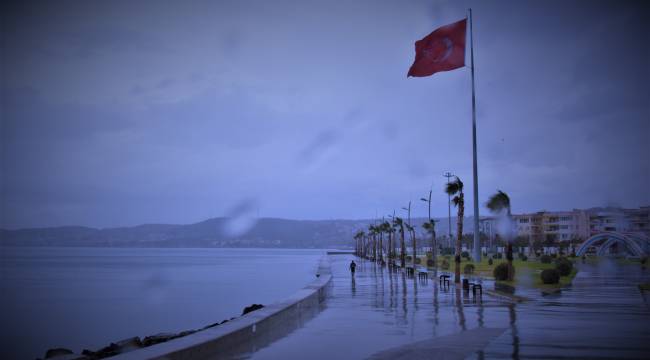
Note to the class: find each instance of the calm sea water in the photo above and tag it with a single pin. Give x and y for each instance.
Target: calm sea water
(88, 297)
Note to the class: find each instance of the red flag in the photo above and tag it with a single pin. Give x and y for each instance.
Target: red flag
(442, 50)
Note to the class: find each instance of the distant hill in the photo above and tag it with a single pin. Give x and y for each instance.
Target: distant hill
(216, 232)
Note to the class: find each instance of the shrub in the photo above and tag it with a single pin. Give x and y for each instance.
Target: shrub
(524, 258)
(550, 276)
(465, 254)
(468, 269)
(554, 256)
(520, 255)
(499, 256)
(545, 259)
(418, 260)
(444, 265)
(494, 256)
(500, 272)
(429, 262)
(409, 257)
(490, 262)
(563, 266)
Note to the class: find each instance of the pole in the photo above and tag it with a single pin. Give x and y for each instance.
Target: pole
(430, 204)
(477, 239)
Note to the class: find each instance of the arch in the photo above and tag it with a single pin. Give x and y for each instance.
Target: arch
(637, 244)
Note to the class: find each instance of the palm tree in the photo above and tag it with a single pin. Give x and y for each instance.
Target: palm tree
(359, 238)
(498, 203)
(372, 237)
(455, 189)
(380, 248)
(389, 249)
(430, 227)
(385, 228)
(411, 231)
(399, 223)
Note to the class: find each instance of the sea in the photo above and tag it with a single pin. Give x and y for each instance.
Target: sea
(86, 298)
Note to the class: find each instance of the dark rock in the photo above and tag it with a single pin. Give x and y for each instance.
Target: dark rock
(158, 338)
(128, 344)
(57, 352)
(211, 325)
(185, 333)
(252, 308)
(115, 348)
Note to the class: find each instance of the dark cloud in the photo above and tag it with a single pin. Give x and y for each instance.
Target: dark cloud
(121, 113)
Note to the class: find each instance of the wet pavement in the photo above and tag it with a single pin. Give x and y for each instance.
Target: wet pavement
(602, 315)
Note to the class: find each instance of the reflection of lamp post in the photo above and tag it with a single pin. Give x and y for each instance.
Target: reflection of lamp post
(448, 175)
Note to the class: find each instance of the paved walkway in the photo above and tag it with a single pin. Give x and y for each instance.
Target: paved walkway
(385, 315)
(378, 310)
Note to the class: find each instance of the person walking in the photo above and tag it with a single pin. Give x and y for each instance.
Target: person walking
(353, 266)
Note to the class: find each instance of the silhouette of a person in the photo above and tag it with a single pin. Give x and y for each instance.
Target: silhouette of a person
(353, 266)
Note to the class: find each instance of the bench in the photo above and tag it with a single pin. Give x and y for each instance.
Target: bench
(410, 271)
(423, 275)
(444, 279)
(479, 287)
(475, 286)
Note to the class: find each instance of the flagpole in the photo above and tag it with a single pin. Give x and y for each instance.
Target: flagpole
(477, 239)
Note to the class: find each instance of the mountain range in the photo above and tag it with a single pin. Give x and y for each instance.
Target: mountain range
(215, 232)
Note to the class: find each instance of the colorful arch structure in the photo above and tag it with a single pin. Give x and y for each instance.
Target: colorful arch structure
(637, 244)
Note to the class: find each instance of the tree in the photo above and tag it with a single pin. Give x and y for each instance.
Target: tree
(498, 203)
(372, 231)
(455, 189)
(411, 231)
(386, 228)
(359, 238)
(430, 227)
(380, 249)
(399, 223)
(391, 241)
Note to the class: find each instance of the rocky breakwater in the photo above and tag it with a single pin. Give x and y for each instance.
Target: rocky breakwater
(130, 344)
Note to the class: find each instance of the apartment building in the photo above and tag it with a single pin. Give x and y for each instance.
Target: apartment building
(575, 224)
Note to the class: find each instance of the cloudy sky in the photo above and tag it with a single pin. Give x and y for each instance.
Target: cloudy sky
(120, 113)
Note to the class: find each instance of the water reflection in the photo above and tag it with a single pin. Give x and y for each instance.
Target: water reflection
(459, 308)
(513, 330)
(600, 298)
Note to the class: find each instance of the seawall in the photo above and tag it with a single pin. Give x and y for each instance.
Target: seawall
(249, 332)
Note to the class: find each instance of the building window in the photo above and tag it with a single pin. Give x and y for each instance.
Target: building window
(564, 227)
(566, 218)
(523, 220)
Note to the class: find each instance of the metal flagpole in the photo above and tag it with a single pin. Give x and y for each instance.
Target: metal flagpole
(477, 239)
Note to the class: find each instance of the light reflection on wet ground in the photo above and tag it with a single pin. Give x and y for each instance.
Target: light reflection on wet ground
(601, 316)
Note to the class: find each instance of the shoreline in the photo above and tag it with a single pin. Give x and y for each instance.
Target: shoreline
(249, 332)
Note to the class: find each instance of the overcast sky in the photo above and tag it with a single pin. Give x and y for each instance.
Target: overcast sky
(120, 113)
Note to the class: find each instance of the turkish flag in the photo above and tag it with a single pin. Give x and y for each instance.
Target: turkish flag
(442, 50)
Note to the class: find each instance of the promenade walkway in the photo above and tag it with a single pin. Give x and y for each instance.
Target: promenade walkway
(380, 314)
